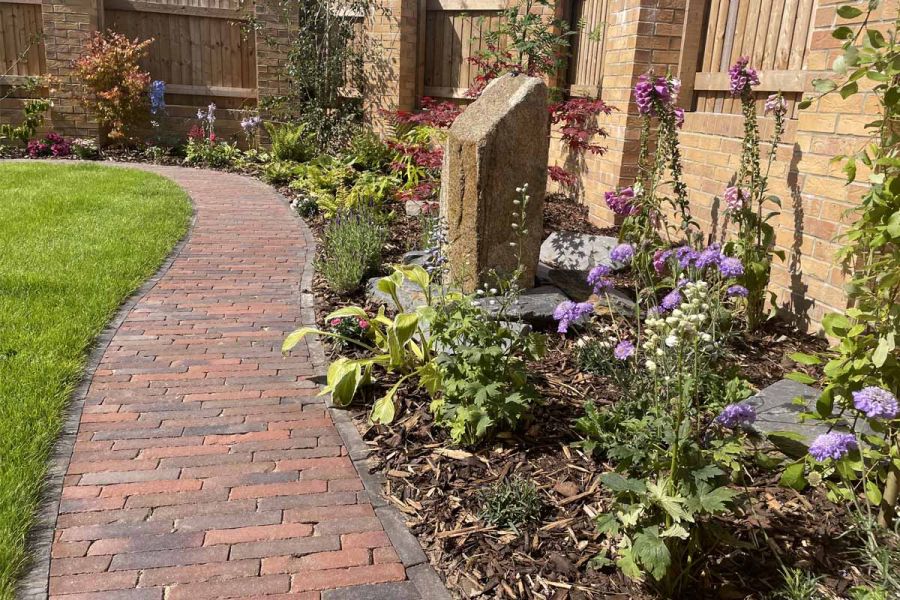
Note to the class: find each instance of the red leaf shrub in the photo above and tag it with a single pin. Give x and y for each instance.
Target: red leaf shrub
(117, 86)
(433, 114)
(579, 119)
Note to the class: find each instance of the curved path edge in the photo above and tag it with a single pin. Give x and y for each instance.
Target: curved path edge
(422, 580)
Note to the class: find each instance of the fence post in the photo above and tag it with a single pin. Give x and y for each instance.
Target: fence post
(68, 26)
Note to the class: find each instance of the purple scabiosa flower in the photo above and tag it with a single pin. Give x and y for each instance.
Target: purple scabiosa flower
(737, 291)
(876, 403)
(568, 312)
(735, 198)
(686, 256)
(621, 202)
(671, 301)
(622, 254)
(643, 95)
(735, 415)
(711, 256)
(731, 267)
(598, 273)
(834, 444)
(776, 105)
(623, 350)
(743, 77)
(659, 261)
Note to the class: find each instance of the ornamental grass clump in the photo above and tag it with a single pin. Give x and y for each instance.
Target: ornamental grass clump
(511, 502)
(351, 249)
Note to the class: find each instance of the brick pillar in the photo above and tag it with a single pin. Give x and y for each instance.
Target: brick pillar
(272, 47)
(392, 47)
(68, 25)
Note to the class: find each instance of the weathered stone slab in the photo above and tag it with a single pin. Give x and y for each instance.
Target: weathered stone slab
(573, 251)
(534, 306)
(777, 412)
(499, 143)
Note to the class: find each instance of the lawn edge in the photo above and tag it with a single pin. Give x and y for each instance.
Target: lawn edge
(35, 581)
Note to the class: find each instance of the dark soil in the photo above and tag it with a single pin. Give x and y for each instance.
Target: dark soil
(562, 213)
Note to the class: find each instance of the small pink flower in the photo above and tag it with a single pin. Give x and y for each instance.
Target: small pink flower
(735, 199)
(335, 322)
(363, 324)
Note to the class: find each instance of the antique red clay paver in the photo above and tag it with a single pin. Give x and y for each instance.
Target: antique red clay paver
(204, 464)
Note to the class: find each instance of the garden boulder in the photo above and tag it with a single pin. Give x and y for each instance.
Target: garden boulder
(499, 143)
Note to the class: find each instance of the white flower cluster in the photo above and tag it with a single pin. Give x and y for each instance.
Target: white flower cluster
(85, 143)
(683, 327)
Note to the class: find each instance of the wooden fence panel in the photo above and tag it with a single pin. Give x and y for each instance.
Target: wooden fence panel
(585, 70)
(454, 31)
(773, 33)
(21, 42)
(198, 50)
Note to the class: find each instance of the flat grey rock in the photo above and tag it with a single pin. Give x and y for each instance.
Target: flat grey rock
(572, 251)
(534, 306)
(777, 412)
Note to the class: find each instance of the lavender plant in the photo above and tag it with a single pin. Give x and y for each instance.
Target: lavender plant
(747, 202)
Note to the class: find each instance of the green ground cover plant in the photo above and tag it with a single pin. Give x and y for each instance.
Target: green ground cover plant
(76, 241)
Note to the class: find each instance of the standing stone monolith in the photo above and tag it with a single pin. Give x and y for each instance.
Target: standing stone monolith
(499, 143)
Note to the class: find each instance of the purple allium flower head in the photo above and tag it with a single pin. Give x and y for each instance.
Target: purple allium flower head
(623, 349)
(686, 256)
(876, 403)
(568, 312)
(643, 95)
(735, 415)
(834, 444)
(679, 117)
(671, 301)
(623, 253)
(735, 198)
(621, 202)
(711, 256)
(731, 267)
(659, 261)
(743, 77)
(776, 105)
(737, 291)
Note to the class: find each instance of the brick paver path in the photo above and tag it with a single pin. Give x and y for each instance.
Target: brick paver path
(204, 465)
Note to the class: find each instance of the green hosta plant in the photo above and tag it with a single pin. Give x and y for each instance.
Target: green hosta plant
(862, 375)
(399, 345)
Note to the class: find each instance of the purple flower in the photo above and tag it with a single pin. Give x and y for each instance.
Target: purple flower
(876, 403)
(686, 256)
(735, 198)
(731, 267)
(679, 117)
(672, 300)
(776, 105)
(743, 77)
(659, 261)
(711, 256)
(832, 445)
(623, 350)
(568, 312)
(623, 253)
(735, 415)
(598, 273)
(157, 96)
(643, 95)
(621, 202)
(251, 124)
(737, 291)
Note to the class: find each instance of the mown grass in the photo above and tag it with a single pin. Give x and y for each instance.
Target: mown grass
(75, 241)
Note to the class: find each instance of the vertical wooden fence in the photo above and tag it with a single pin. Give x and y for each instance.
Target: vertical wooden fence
(585, 68)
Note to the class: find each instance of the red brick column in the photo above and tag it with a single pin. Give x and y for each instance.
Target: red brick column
(392, 44)
(272, 47)
(68, 25)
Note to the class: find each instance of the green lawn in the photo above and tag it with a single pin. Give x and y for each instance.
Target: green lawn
(75, 240)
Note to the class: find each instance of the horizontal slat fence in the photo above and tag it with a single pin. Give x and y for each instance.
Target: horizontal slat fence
(21, 41)
(773, 33)
(585, 69)
(453, 31)
(198, 50)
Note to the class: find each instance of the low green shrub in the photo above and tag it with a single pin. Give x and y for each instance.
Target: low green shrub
(511, 503)
(291, 142)
(279, 172)
(352, 249)
(368, 151)
(218, 155)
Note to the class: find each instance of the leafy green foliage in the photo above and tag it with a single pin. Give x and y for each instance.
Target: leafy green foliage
(291, 142)
(511, 503)
(33, 112)
(799, 584)
(368, 152)
(218, 155)
(482, 364)
(352, 249)
(279, 172)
